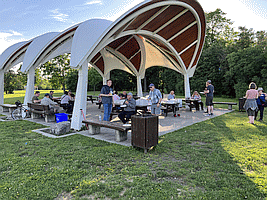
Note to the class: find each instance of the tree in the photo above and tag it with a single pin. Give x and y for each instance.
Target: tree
(11, 82)
(72, 79)
(95, 80)
(123, 80)
(245, 38)
(219, 28)
(56, 70)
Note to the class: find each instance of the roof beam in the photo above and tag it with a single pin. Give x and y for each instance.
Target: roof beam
(188, 47)
(122, 44)
(180, 32)
(152, 18)
(170, 21)
(135, 54)
(129, 23)
(97, 59)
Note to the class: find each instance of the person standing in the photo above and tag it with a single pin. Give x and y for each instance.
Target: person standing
(251, 105)
(106, 96)
(129, 110)
(155, 97)
(209, 97)
(260, 102)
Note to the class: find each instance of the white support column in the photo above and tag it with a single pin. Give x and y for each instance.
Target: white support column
(187, 86)
(139, 87)
(105, 78)
(80, 98)
(2, 76)
(30, 86)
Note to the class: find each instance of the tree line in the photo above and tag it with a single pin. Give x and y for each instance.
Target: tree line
(231, 59)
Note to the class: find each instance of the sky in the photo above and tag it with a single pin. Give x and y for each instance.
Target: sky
(21, 20)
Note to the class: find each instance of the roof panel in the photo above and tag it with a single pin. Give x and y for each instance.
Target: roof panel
(143, 18)
(35, 49)
(130, 48)
(187, 57)
(8, 53)
(163, 18)
(177, 25)
(100, 64)
(136, 61)
(119, 41)
(185, 39)
(86, 38)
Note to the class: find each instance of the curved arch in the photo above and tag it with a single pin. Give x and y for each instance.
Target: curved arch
(87, 37)
(123, 23)
(13, 55)
(35, 48)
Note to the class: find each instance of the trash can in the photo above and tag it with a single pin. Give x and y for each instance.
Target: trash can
(241, 104)
(61, 117)
(144, 131)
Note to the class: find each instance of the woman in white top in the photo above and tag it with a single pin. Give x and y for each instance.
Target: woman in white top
(197, 96)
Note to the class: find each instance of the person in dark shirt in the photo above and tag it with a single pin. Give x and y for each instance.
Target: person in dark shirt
(209, 97)
(35, 98)
(107, 100)
(51, 94)
(260, 102)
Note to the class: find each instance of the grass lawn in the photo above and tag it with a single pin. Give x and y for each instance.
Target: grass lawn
(221, 158)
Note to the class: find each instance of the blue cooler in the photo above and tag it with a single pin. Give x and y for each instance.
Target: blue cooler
(61, 117)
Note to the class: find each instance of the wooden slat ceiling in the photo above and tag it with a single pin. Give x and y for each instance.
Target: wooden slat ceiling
(129, 47)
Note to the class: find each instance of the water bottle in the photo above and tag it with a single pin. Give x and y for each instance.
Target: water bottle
(100, 118)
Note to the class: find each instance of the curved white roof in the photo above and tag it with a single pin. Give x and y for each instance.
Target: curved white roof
(169, 33)
(86, 37)
(175, 27)
(35, 48)
(7, 54)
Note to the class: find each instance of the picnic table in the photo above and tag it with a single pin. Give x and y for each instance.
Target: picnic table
(190, 102)
(171, 106)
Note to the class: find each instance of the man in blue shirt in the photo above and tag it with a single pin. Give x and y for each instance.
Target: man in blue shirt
(107, 100)
(155, 97)
(171, 95)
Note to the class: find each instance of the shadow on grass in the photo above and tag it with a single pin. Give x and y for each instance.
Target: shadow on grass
(204, 161)
(188, 163)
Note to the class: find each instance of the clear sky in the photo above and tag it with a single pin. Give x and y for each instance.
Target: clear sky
(22, 20)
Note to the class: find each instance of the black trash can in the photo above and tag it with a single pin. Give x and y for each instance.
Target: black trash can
(241, 104)
(145, 131)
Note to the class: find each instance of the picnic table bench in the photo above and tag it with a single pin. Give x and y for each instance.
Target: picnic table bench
(8, 107)
(120, 130)
(37, 110)
(230, 104)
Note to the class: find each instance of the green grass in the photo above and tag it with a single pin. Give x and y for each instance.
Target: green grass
(221, 158)
(19, 95)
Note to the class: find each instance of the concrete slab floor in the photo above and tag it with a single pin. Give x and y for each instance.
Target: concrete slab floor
(166, 124)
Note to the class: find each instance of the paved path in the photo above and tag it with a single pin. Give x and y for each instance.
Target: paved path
(166, 124)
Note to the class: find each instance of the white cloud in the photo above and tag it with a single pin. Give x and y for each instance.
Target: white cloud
(59, 16)
(93, 2)
(9, 38)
